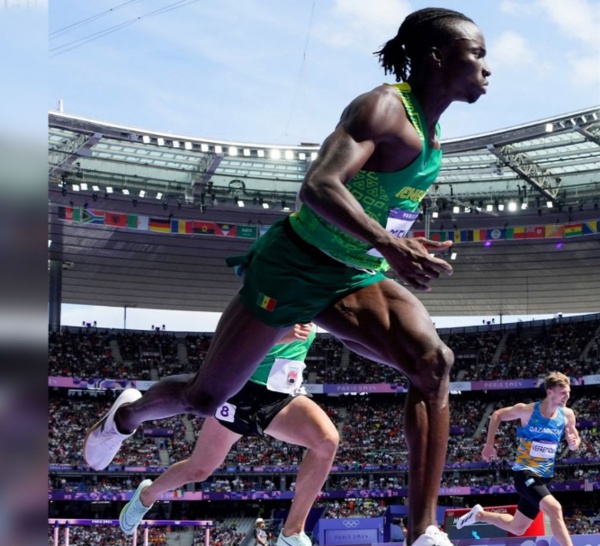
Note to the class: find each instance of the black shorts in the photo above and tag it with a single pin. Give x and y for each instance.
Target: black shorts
(532, 489)
(252, 409)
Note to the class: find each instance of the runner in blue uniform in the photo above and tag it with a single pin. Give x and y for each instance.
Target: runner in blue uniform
(543, 424)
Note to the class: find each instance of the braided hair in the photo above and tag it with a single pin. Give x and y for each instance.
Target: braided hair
(421, 30)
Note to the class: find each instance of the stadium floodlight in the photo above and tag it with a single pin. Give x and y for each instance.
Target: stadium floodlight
(512, 206)
(549, 127)
(160, 141)
(109, 189)
(75, 187)
(275, 153)
(240, 202)
(500, 206)
(549, 204)
(301, 156)
(260, 153)
(84, 186)
(313, 156)
(218, 149)
(125, 191)
(289, 155)
(203, 147)
(489, 207)
(246, 152)
(187, 145)
(233, 151)
(142, 193)
(524, 205)
(265, 205)
(176, 144)
(453, 256)
(455, 209)
(95, 188)
(146, 139)
(159, 195)
(435, 214)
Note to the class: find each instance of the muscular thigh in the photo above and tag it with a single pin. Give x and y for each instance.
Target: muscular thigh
(383, 322)
(532, 489)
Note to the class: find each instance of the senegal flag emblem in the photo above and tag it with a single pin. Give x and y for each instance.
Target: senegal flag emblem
(266, 303)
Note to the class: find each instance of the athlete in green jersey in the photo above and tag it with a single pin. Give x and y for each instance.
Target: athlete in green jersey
(325, 264)
(271, 403)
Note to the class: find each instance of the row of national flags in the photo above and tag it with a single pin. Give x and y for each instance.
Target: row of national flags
(554, 231)
(191, 227)
(157, 225)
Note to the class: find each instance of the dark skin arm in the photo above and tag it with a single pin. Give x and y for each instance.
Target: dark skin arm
(373, 133)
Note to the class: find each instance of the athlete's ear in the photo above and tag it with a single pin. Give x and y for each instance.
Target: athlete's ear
(436, 56)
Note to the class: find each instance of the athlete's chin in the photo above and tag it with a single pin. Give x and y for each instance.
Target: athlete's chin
(474, 97)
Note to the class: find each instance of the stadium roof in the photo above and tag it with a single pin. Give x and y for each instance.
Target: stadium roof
(183, 194)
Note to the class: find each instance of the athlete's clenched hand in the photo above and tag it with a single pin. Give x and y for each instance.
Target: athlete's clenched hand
(411, 260)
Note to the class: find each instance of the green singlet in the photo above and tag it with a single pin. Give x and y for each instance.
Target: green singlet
(304, 264)
(383, 196)
(284, 364)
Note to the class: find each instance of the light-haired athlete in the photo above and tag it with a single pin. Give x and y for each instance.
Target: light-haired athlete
(272, 403)
(542, 426)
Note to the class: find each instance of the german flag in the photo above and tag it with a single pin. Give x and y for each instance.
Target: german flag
(160, 225)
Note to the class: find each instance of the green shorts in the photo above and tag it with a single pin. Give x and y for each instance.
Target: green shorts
(289, 281)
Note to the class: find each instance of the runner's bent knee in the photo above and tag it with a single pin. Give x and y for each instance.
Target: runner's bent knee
(432, 368)
(201, 400)
(328, 444)
(551, 507)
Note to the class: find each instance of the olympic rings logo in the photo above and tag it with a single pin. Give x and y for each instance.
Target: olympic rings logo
(351, 523)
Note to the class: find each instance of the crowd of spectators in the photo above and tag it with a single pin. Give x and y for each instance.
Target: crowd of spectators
(488, 354)
(533, 352)
(371, 438)
(224, 534)
(82, 353)
(104, 535)
(580, 523)
(353, 508)
(371, 426)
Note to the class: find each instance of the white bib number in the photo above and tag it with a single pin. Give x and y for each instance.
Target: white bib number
(226, 412)
(285, 375)
(398, 224)
(543, 450)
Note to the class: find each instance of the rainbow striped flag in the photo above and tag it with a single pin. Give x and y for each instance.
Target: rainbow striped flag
(573, 230)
